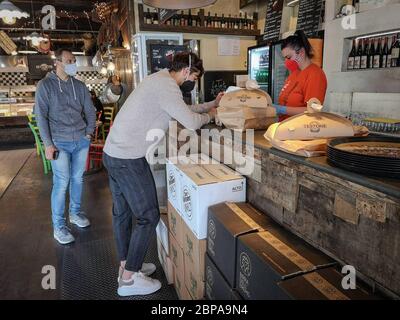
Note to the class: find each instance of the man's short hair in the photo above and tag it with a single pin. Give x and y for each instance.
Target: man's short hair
(59, 52)
(181, 61)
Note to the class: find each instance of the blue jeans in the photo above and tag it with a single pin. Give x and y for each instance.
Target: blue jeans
(68, 170)
(134, 198)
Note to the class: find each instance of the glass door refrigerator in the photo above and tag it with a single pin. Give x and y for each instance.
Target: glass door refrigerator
(266, 65)
(142, 44)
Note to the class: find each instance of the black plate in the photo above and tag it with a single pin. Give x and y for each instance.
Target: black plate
(364, 164)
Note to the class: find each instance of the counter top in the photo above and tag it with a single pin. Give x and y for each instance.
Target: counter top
(387, 186)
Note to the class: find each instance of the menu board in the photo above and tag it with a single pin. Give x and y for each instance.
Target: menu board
(218, 81)
(309, 16)
(273, 20)
(161, 55)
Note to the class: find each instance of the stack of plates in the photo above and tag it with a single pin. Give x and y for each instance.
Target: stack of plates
(346, 153)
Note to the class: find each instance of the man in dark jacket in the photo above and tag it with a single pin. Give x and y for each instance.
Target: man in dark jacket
(66, 119)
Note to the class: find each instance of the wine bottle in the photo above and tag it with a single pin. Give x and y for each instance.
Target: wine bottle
(148, 17)
(229, 22)
(190, 20)
(385, 53)
(236, 24)
(357, 57)
(223, 24)
(395, 52)
(155, 17)
(182, 19)
(364, 55)
(351, 58)
(378, 55)
(371, 54)
(240, 21)
(246, 25)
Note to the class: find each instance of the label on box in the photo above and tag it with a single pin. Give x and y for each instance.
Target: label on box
(187, 202)
(212, 234)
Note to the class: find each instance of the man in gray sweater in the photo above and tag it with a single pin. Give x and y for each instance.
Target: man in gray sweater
(66, 118)
(151, 106)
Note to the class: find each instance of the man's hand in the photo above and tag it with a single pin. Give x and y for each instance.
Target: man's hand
(218, 98)
(50, 152)
(212, 113)
(116, 80)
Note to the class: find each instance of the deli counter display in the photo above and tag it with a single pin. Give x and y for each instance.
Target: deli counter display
(17, 100)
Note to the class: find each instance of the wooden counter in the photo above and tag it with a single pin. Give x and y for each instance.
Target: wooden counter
(353, 218)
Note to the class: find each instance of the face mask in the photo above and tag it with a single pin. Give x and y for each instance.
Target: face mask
(188, 86)
(71, 69)
(291, 65)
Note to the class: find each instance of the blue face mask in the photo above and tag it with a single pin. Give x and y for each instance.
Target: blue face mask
(71, 69)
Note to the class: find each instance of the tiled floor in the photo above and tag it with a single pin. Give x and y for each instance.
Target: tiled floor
(86, 269)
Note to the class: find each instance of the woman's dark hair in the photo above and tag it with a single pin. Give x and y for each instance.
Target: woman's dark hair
(297, 42)
(181, 61)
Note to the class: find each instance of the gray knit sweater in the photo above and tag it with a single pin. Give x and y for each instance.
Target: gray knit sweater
(155, 102)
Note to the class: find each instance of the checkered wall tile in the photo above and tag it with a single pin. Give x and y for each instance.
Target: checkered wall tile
(11, 79)
(89, 75)
(98, 87)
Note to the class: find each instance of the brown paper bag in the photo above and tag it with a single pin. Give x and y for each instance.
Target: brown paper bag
(246, 109)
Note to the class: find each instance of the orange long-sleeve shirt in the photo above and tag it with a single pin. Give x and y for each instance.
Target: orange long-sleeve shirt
(301, 86)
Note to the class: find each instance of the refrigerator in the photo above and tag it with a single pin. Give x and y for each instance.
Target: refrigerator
(267, 66)
(142, 45)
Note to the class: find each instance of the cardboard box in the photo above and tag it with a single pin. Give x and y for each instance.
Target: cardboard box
(175, 224)
(179, 283)
(176, 253)
(217, 288)
(266, 258)
(235, 295)
(226, 222)
(194, 251)
(325, 284)
(165, 262)
(162, 231)
(204, 186)
(195, 284)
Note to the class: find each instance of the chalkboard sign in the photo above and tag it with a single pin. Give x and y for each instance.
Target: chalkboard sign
(309, 16)
(218, 81)
(273, 20)
(165, 14)
(162, 55)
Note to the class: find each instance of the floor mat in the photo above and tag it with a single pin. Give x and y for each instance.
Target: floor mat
(90, 273)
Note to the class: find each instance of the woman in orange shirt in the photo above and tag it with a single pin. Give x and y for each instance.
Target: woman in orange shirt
(306, 80)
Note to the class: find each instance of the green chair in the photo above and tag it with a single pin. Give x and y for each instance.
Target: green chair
(32, 120)
(39, 144)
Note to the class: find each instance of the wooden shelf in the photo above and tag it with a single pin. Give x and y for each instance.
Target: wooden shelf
(198, 29)
(204, 30)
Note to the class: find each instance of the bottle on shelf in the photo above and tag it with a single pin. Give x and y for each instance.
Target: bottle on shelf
(182, 19)
(246, 25)
(371, 53)
(236, 24)
(385, 52)
(351, 57)
(364, 55)
(223, 23)
(378, 55)
(240, 21)
(190, 19)
(207, 21)
(357, 57)
(155, 17)
(395, 58)
(148, 17)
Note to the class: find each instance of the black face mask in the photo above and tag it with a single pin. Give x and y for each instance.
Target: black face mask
(188, 86)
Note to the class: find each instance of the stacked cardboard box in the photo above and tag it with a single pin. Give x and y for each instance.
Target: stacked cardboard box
(163, 248)
(192, 188)
(250, 256)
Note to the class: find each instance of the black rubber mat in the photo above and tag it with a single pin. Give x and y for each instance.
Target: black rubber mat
(90, 273)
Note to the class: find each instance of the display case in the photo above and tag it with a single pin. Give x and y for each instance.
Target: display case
(16, 101)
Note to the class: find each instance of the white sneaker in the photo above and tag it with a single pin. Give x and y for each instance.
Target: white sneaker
(139, 284)
(147, 269)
